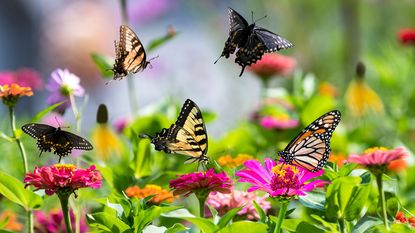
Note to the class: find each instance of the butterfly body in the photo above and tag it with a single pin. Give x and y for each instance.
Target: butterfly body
(130, 54)
(310, 149)
(187, 136)
(50, 138)
(251, 41)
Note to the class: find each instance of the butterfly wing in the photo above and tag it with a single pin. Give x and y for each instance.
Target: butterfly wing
(272, 42)
(78, 142)
(130, 53)
(250, 53)
(310, 149)
(238, 33)
(37, 130)
(187, 136)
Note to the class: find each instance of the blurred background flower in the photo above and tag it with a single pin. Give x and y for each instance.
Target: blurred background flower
(25, 77)
(230, 162)
(160, 194)
(407, 36)
(53, 222)
(9, 221)
(273, 64)
(276, 113)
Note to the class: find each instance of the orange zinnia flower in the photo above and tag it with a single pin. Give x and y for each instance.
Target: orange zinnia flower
(160, 194)
(228, 161)
(10, 94)
(12, 223)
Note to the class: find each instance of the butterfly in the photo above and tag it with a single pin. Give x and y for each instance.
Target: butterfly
(130, 54)
(49, 137)
(310, 149)
(187, 136)
(252, 41)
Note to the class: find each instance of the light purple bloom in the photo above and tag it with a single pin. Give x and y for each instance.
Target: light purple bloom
(62, 84)
(279, 180)
(142, 11)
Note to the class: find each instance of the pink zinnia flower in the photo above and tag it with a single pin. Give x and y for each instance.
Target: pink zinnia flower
(53, 222)
(273, 64)
(25, 77)
(278, 122)
(282, 180)
(378, 156)
(62, 84)
(407, 36)
(201, 182)
(63, 177)
(225, 202)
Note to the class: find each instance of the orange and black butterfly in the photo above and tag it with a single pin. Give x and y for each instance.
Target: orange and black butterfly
(310, 149)
(130, 54)
(187, 136)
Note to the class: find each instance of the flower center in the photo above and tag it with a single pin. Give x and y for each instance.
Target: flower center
(66, 90)
(65, 166)
(373, 149)
(285, 177)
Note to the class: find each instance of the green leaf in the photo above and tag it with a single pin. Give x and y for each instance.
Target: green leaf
(154, 229)
(14, 190)
(300, 226)
(180, 213)
(104, 64)
(365, 224)
(358, 199)
(261, 212)
(314, 200)
(142, 157)
(5, 137)
(205, 225)
(45, 111)
(143, 218)
(176, 228)
(245, 226)
(107, 223)
(226, 218)
(155, 43)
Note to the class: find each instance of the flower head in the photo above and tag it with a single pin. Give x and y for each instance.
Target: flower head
(338, 158)
(275, 113)
(201, 183)
(121, 123)
(282, 180)
(53, 222)
(378, 157)
(10, 94)
(282, 121)
(63, 177)
(106, 141)
(407, 36)
(327, 89)
(228, 161)
(160, 194)
(223, 203)
(25, 77)
(8, 218)
(273, 64)
(62, 84)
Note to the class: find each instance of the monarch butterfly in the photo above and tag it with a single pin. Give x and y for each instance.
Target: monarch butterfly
(252, 41)
(187, 136)
(310, 149)
(49, 137)
(130, 54)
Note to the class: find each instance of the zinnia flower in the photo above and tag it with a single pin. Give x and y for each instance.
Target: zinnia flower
(273, 64)
(338, 158)
(160, 194)
(53, 222)
(25, 77)
(407, 36)
(278, 122)
(378, 157)
(327, 89)
(360, 98)
(63, 177)
(228, 161)
(223, 203)
(10, 94)
(11, 223)
(201, 182)
(282, 180)
(62, 85)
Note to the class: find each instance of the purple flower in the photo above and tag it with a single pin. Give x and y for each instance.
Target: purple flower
(53, 222)
(142, 11)
(62, 84)
(282, 180)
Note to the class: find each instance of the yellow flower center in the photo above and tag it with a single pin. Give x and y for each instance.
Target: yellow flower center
(65, 166)
(373, 149)
(281, 169)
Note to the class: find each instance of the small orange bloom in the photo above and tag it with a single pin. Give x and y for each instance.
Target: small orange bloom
(338, 158)
(161, 195)
(328, 89)
(398, 165)
(400, 216)
(12, 223)
(228, 161)
(10, 94)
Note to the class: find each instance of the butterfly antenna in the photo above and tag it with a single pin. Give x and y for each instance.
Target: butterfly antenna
(144, 135)
(106, 83)
(217, 59)
(260, 18)
(40, 153)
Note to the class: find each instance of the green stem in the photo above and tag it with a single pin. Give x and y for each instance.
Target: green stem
(19, 143)
(202, 201)
(75, 112)
(382, 200)
(342, 225)
(65, 210)
(281, 216)
(132, 96)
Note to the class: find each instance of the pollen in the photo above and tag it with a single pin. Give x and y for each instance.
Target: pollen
(373, 149)
(65, 166)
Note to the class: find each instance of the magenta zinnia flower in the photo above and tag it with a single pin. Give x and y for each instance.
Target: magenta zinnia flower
(273, 64)
(53, 222)
(407, 36)
(25, 77)
(223, 203)
(62, 84)
(278, 122)
(378, 157)
(65, 177)
(282, 180)
(201, 182)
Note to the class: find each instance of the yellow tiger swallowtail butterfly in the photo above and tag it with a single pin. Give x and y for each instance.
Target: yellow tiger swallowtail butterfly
(187, 136)
(130, 54)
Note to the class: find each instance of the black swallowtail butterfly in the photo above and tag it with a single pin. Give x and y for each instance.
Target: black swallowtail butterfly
(50, 138)
(252, 41)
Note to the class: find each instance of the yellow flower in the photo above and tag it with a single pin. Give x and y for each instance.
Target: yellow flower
(160, 194)
(228, 161)
(106, 141)
(10, 94)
